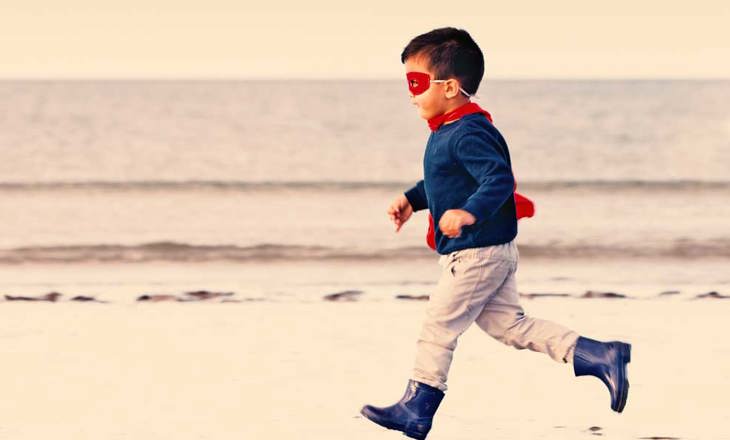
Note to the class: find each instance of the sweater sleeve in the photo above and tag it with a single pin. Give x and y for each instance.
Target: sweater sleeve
(480, 156)
(417, 197)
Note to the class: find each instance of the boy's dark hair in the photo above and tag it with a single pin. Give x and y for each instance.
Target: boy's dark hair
(451, 53)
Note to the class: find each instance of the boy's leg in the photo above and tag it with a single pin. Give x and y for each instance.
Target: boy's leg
(468, 279)
(504, 319)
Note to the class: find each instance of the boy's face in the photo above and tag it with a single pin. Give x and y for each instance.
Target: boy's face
(436, 100)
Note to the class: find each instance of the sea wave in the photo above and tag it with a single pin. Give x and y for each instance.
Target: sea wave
(190, 253)
(327, 185)
(183, 252)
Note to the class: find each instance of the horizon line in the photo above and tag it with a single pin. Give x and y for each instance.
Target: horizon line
(342, 78)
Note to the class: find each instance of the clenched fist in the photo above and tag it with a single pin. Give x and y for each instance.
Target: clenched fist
(400, 211)
(452, 221)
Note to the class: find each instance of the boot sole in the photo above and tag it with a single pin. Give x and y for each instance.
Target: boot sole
(384, 424)
(625, 358)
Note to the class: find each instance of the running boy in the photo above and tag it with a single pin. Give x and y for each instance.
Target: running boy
(468, 188)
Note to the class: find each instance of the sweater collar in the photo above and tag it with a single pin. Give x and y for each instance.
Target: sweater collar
(467, 109)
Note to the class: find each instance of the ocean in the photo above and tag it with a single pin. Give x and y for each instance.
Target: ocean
(285, 184)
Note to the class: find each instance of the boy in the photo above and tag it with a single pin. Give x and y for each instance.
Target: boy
(468, 188)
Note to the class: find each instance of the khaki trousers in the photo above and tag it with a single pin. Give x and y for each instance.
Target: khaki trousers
(478, 285)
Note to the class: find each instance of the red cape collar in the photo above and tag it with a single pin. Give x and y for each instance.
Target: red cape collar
(467, 109)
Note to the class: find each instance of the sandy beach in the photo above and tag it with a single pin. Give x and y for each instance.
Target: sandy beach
(302, 369)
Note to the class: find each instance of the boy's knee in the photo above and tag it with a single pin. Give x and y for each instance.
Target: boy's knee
(503, 327)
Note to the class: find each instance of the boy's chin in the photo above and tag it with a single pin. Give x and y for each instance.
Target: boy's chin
(425, 114)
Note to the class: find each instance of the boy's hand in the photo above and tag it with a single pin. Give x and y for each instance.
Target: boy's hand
(452, 221)
(400, 211)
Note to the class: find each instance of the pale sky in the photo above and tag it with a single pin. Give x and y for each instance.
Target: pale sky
(340, 39)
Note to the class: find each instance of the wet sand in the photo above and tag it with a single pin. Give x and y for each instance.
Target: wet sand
(282, 370)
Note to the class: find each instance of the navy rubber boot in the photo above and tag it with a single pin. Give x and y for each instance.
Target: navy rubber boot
(412, 415)
(606, 361)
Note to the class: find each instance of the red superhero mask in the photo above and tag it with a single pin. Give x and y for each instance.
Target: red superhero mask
(419, 82)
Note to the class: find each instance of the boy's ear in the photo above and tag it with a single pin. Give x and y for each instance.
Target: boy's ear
(451, 88)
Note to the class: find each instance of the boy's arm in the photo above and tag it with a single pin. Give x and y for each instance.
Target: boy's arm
(481, 158)
(417, 196)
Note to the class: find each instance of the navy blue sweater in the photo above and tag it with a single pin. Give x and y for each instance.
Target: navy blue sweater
(467, 166)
